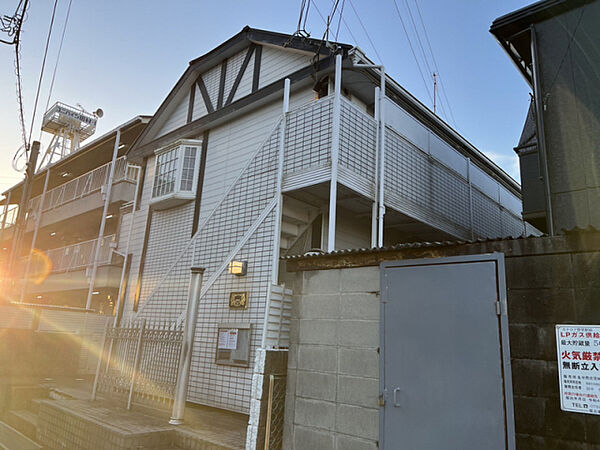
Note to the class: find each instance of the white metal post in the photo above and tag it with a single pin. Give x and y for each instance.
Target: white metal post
(380, 154)
(470, 198)
(375, 209)
(38, 220)
(185, 357)
(335, 149)
(280, 160)
(381, 159)
(88, 304)
(125, 261)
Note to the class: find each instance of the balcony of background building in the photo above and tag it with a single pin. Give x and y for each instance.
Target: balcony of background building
(60, 276)
(77, 197)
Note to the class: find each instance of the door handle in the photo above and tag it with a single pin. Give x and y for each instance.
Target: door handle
(396, 404)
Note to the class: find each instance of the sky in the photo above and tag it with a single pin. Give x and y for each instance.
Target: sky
(125, 56)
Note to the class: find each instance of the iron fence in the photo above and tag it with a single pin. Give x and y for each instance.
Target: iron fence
(275, 412)
(140, 362)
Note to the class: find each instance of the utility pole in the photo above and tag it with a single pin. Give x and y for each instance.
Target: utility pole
(21, 222)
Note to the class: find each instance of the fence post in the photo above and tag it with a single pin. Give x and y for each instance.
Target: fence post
(100, 357)
(136, 366)
(185, 357)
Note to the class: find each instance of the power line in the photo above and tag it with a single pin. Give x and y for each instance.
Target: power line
(443, 88)
(366, 32)
(37, 95)
(340, 21)
(19, 85)
(412, 50)
(62, 38)
(343, 20)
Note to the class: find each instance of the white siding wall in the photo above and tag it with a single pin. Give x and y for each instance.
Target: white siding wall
(231, 145)
(137, 235)
(245, 86)
(177, 118)
(276, 63)
(211, 80)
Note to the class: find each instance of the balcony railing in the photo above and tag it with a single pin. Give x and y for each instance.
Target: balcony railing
(84, 185)
(75, 256)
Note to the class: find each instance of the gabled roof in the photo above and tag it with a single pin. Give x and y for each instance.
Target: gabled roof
(511, 30)
(227, 49)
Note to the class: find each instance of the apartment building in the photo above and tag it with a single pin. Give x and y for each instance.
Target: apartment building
(53, 264)
(273, 144)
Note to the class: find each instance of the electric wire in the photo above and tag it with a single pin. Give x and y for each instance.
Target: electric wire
(343, 20)
(19, 84)
(412, 50)
(430, 70)
(340, 21)
(366, 32)
(437, 70)
(62, 38)
(37, 95)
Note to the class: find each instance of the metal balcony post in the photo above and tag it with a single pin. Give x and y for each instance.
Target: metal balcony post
(185, 357)
(88, 304)
(335, 150)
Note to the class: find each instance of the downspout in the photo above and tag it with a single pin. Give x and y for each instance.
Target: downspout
(541, 135)
(38, 220)
(280, 160)
(130, 231)
(111, 176)
(380, 152)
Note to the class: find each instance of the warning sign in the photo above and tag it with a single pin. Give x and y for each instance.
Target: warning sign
(578, 349)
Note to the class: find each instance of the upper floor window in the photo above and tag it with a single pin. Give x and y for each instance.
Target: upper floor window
(176, 173)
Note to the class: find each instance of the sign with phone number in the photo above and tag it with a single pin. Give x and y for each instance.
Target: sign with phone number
(578, 348)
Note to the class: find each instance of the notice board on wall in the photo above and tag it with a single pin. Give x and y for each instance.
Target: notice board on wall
(578, 352)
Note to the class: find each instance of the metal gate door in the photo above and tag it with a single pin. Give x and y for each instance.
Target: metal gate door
(445, 364)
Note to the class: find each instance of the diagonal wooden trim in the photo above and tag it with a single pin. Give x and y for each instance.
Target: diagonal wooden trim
(222, 85)
(191, 104)
(200, 183)
(238, 78)
(205, 96)
(197, 126)
(256, 75)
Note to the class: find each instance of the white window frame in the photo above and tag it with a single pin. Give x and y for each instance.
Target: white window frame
(177, 195)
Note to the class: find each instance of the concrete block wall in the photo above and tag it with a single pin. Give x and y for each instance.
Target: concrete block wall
(333, 375)
(333, 363)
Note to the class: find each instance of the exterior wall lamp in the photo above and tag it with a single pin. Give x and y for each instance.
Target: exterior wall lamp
(238, 268)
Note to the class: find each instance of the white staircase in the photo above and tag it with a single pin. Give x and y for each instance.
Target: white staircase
(296, 220)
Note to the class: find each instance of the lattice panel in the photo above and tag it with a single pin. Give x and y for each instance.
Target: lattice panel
(170, 232)
(308, 137)
(357, 140)
(227, 386)
(486, 215)
(440, 194)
